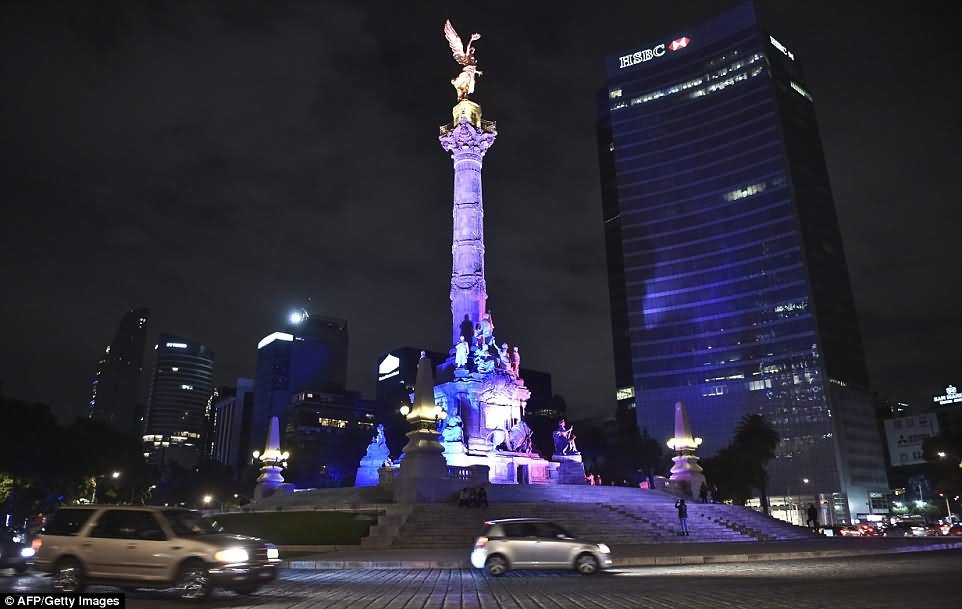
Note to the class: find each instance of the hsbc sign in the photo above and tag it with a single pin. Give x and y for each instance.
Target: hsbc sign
(637, 57)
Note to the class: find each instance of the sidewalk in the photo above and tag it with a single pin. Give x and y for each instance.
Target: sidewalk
(640, 555)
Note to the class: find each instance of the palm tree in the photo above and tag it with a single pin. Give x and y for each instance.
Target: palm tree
(754, 443)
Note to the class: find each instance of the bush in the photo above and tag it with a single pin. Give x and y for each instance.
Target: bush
(299, 528)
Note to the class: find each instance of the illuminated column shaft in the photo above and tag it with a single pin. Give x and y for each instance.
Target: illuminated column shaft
(467, 139)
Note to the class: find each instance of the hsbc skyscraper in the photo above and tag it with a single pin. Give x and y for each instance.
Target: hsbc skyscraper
(728, 284)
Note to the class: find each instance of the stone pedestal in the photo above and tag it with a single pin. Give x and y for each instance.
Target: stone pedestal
(424, 473)
(273, 462)
(687, 476)
(367, 471)
(455, 453)
(571, 469)
(269, 480)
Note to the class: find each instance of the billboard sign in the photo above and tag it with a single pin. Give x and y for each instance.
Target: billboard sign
(905, 436)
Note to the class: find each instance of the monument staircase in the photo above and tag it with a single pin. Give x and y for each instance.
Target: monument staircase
(617, 516)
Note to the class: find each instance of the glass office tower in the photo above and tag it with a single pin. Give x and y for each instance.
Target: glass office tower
(115, 396)
(728, 282)
(178, 402)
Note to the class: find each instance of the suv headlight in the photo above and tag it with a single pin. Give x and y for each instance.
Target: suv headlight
(231, 555)
(604, 549)
(272, 553)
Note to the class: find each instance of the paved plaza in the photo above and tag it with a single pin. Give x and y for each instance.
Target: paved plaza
(925, 580)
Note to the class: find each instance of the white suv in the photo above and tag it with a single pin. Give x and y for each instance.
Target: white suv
(143, 546)
(535, 543)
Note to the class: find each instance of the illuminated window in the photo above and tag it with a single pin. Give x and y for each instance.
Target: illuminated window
(736, 65)
(335, 423)
(741, 193)
(614, 93)
(625, 393)
(791, 307)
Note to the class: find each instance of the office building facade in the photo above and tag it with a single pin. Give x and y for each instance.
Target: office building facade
(232, 414)
(309, 355)
(115, 392)
(327, 433)
(728, 283)
(177, 405)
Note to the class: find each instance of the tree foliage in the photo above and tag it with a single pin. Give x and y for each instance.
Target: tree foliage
(43, 463)
(740, 469)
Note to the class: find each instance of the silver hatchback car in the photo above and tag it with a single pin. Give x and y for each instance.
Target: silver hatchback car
(533, 543)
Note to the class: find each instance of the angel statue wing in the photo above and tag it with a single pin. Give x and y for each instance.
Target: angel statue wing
(462, 54)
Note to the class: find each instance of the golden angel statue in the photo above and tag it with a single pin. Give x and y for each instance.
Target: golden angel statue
(464, 55)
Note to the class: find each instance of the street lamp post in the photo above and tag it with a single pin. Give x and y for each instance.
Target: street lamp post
(948, 509)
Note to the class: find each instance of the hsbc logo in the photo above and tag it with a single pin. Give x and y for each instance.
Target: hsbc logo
(637, 57)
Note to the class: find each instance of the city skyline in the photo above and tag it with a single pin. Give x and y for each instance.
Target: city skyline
(246, 203)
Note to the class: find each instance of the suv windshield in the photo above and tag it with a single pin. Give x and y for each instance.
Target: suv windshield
(187, 523)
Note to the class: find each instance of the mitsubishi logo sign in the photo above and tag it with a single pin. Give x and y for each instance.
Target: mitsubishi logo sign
(389, 366)
(658, 50)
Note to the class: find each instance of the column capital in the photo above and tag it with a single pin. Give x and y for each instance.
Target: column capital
(465, 138)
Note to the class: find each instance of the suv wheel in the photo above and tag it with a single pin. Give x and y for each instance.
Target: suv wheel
(586, 564)
(68, 576)
(193, 581)
(496, 565)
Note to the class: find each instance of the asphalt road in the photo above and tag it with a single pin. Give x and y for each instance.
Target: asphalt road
(921, 581)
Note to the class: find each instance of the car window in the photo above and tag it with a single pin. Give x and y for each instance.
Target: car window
(517, 529)
(187, 523)
(67, 522)
(548, 530)
(128, 524)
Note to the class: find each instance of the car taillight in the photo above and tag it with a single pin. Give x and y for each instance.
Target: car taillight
(481, 542)
(36, 543)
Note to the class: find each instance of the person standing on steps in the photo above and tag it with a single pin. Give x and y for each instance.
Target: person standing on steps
(812, 517)
(682, 508)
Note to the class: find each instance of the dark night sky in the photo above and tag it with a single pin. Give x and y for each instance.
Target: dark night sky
(221, 162)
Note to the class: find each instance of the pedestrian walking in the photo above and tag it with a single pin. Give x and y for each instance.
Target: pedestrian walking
(703, 493)
(682, 508)
(812, 517)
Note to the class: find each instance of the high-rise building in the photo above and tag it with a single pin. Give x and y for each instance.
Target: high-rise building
(180, 393)
(728, 282)
(232, 414)
(115, 390)
(396, 372)
(308, 354)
